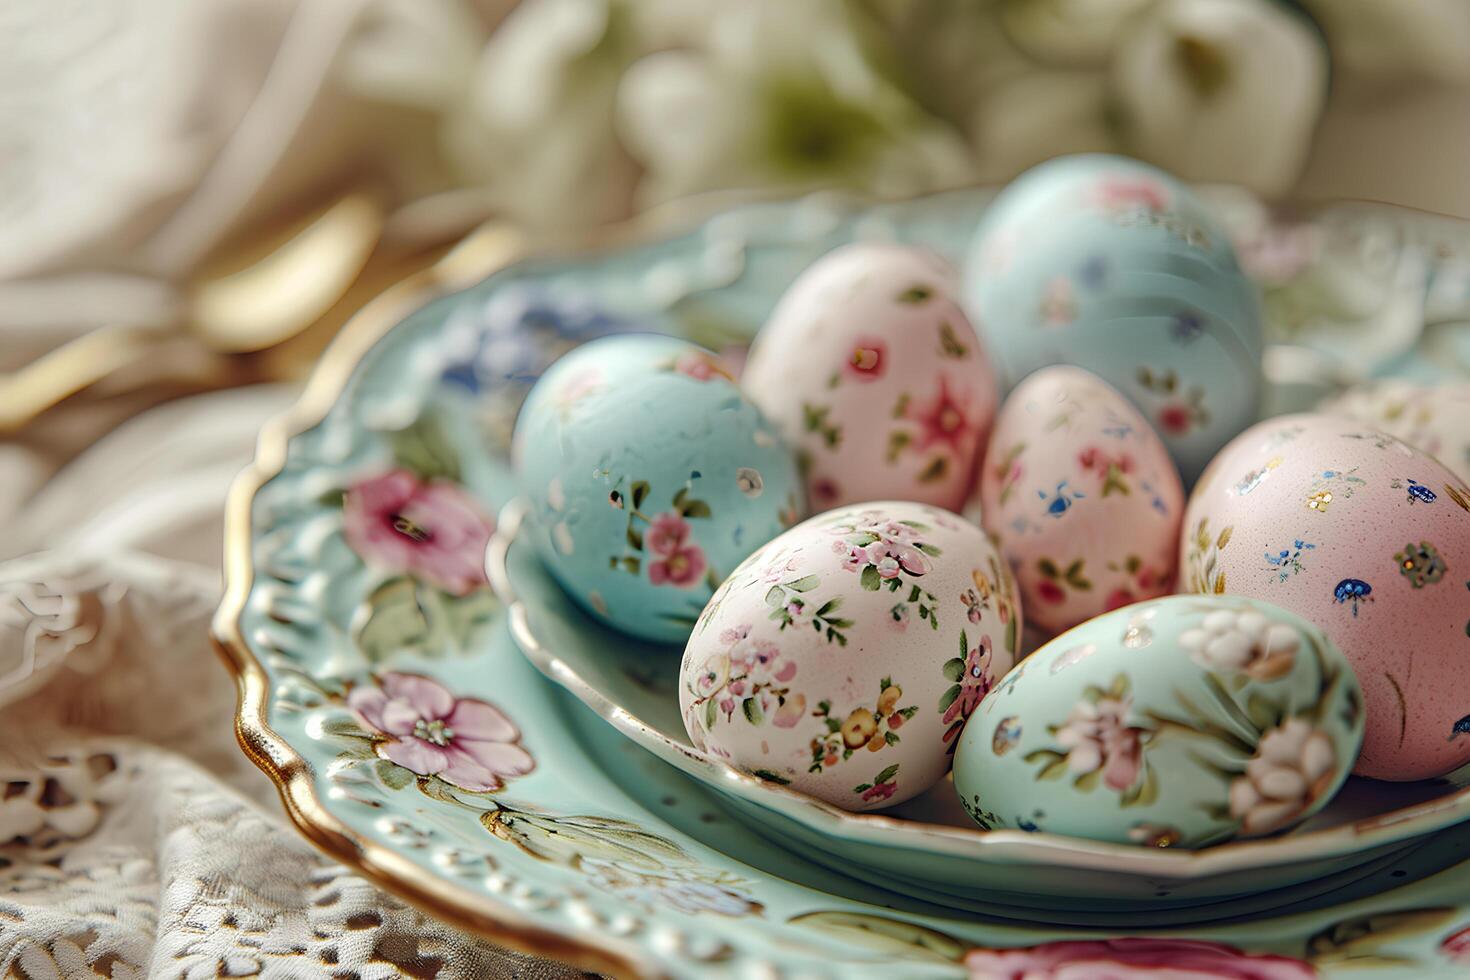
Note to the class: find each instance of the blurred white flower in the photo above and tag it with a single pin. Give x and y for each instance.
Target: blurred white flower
(1069, 33)
(1038, 115)
(1375, 39)
(537, 129)
(782, 95)
(1226, 90)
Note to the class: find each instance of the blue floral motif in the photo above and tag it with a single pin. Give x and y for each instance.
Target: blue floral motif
(1186, 327)
(516, 334)
(1288, 561)
(1061, 500)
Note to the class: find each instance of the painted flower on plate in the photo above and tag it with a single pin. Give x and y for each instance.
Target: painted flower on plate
(1133, 958)
(430, 732)
(432, 530)
(1293, 766)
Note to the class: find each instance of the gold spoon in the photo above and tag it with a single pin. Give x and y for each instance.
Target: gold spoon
(259, 306)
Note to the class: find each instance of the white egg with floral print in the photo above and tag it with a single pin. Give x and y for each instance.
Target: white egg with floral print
(843, 658)
(875, 377)
(1182, 721)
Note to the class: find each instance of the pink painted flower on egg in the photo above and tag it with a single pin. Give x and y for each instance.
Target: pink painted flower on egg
(868, 359)
(944, 420)
(1097, 736)
(430, 732)
(974, 685)
(1119, 193)
(681, 562)
(701, 366)
(433, 530)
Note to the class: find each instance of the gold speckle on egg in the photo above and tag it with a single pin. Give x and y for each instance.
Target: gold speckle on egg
(1320, 501)
(749, 481)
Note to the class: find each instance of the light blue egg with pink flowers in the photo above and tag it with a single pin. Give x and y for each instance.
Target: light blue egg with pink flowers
(650, 477)
(1113, 265)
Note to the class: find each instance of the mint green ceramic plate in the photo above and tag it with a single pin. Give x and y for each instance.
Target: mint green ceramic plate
(381, 688)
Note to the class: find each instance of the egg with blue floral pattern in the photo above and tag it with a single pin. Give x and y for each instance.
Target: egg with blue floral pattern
(1082, 498)
(1183, 721)
(650, 477)
(1367, 536)
(1115, 266)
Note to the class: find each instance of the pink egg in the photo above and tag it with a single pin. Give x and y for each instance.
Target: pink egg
(1370, 539)
(1081, 495)
(1434, 418)
(875, 377)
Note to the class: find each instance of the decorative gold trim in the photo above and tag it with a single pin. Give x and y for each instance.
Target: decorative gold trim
(479, 256)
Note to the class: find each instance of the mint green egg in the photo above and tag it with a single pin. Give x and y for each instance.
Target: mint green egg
(650, 477)
(1184, 721)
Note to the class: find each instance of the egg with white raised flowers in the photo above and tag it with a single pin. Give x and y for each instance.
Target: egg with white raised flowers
(1183, 721)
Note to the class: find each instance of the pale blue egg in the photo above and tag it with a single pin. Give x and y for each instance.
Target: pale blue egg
(1183, 721)
(1115, 266)
(651, 477)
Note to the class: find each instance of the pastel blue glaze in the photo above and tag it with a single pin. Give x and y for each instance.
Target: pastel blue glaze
(1182, 721)
(1151, 281)
(618, 414)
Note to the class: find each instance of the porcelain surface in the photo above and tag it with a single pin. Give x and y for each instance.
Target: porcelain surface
(381, 687)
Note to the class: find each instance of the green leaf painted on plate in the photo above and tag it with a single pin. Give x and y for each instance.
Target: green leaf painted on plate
(885, 935)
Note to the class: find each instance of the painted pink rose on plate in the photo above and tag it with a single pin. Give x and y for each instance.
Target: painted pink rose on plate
(430, 732)
(1133, 958)
(432, 530)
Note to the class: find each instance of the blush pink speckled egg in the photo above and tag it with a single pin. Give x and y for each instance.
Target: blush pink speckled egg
(1370, 539)
(844, 657)
(873, 374)
(1082, 496)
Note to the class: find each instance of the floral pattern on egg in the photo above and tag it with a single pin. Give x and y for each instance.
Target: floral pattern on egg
(1179, 721)
(1082, 498)
(649, 476)
(1359, 531)
(1113, 265)
(1429, 417)
(873, 373)
(845, 657)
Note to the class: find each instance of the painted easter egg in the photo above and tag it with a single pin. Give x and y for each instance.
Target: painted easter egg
(1182, 721)
(1369, 538)
(650, 477)
(843, 658)
(1082, 497)
(1113, 265)
(1431, 417)
(873, 374)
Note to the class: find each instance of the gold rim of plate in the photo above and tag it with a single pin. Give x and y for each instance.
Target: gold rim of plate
(493, 248)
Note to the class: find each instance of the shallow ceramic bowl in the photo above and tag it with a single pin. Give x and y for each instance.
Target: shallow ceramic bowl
(600, 854)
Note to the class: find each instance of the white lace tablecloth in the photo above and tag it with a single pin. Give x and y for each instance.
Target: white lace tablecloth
(136, 840)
